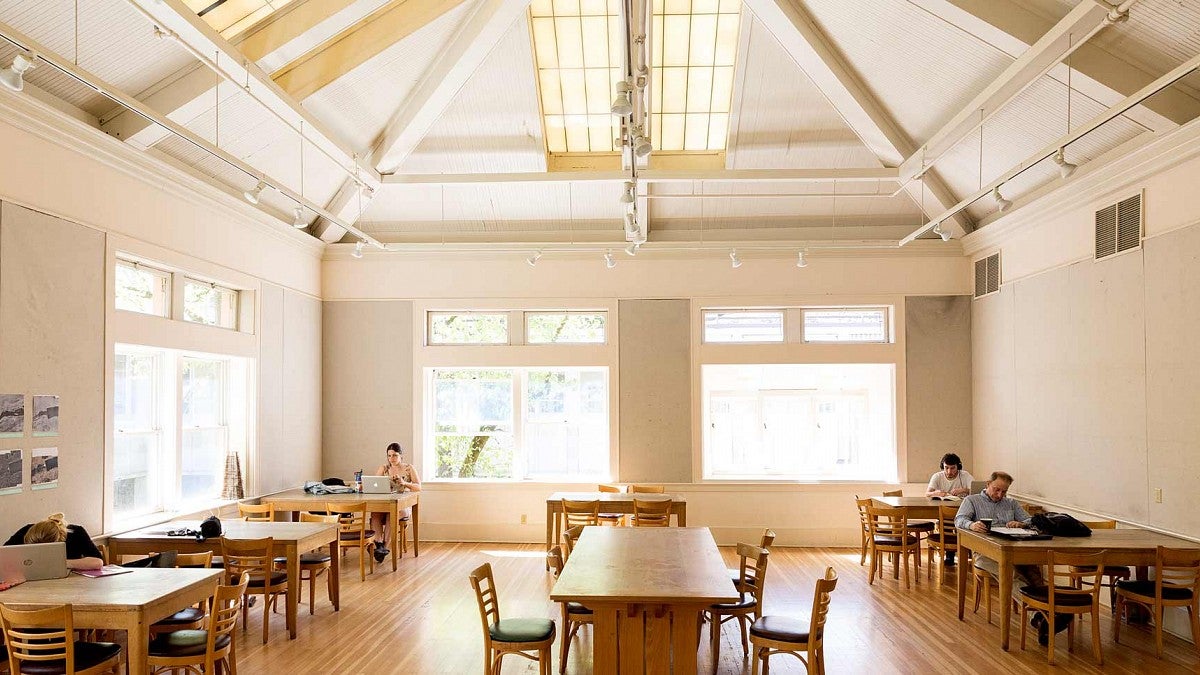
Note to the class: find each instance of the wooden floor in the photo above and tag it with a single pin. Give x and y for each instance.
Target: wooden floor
(423, 619)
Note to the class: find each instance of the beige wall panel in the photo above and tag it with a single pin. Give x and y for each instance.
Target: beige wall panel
(272, 438)
(367, 384)
(938, 377)
(656, 390)
(1173, 378)
(993, 383)
(52, 342)
(301, 444)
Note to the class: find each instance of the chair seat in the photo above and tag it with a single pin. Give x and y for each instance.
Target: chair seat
(611, 516)
(576, 608)
(87, 655)
(890, 540)
(312, 558)
(184, 643)
(277, 577)
(182, 617)
(746, 602)
(353, 536)
(1113, 572)
(951, 540)
(1042, 594)
(783, 628)
(1146, 589)
(921, 526)
(521, 630)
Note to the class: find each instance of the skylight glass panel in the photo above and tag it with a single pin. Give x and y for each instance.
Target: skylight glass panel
(231, 17)
(578, 47)
(694, 46)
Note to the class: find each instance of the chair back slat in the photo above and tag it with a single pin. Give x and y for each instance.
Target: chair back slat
(863, 516)
(887, 522)
(580, 512)
(651, 513)
(604, 487)
(485, 593)
(39, 635)
(306, 517)
(1065, 567)
(647, 489)
(555, 557)
(352, 518)
(256, 513)
(225, 608)
(893, 493)
(202, 559)
(569, 539)
(752, 565)
(820, 609)
(1177, 567)
(944, 532)
(248, 555)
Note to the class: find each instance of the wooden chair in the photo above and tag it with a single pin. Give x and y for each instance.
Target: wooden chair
(1053, 599)
(569, 538)
(890, 534)
(1111, 574)
(1176, 584)
(983, 589)
(944, 540)
(753, 578)
(354, 533)
(314, 563)
(765, 541)
(508, 636)
(256, 513)
(918, 527)
(574, 614)
(255, 557)
(201, 650)
(189, 618)
(647, 489)
(615, 519)
(43, 641)
(784, 635)
(580, 513)
(651, 512)
(864, 528)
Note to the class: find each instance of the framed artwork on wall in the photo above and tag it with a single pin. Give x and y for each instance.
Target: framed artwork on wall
(12, 467)
(43, 468)
(45, 415)
(12, 415)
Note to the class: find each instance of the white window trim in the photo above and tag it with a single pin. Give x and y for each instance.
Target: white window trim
(888, 327)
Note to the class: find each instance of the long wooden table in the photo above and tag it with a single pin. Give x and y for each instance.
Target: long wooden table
(646, 588)
(298, 500)
(610, 502)
(291, 539)
(1125, 547)
(130, 602)
(916, 507)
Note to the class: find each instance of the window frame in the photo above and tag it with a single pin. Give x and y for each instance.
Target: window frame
(887, 325)
(163, 275)
(232, 312)
(783, 317)
(430, 314)
(527, 314)
(223, 426)
(155, 471)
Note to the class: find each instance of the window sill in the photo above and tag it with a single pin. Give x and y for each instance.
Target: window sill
(158, 517)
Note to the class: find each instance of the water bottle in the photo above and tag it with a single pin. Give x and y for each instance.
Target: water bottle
(358, 481)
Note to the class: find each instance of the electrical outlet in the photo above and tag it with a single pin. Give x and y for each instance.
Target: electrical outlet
(525, 517)
(1157, 495)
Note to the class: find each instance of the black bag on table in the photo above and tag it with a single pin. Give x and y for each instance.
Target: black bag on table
(1060, 525)
(210, 528)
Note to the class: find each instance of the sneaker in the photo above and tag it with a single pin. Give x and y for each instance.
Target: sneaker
(1043, 629)
(949, 560)
(381, 552)
(1061, 622)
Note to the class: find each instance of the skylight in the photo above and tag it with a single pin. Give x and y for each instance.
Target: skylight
(578, 49)
(230, 17)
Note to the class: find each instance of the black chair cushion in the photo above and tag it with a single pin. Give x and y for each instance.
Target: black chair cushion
(1146, 589)
(1113, 572)
(783, 628)
(890, 540)
(353, 536)
(922, 526)
(746, 602)
(312, 558)
(87, 655)
(1042, 594)
(521, 630)
(183, 616)
(576, 608)
(185, 643)
(277, 577)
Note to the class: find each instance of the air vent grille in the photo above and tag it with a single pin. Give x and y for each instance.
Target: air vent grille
(1119, 227)
(987, 275)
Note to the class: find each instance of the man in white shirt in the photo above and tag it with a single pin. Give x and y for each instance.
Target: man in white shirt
(951, 480)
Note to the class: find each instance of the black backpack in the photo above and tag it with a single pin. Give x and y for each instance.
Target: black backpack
(211, 527)
(1060, 525)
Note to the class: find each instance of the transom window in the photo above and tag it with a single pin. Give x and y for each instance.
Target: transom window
(143, 289)
(516, 327)
(564, 327)
(845, 325)
(468, 328)
(209, 304)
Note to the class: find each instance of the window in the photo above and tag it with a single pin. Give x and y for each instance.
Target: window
(468, 328)
(518, 423)
(143, 289)
(209, 304)
(799, 421)
(564, 327)
(743, 326)
(205, 433)
(868, 324)
(137, 431)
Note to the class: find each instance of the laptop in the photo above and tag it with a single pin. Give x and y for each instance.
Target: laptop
(33, 562)
(978, 486)
(376, 485)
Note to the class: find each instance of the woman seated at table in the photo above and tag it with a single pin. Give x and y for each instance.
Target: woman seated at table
(404, 478)
(82, 553)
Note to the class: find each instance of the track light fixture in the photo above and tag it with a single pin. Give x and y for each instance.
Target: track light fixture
(641, 145)
(608, 260)
(1001, 202)
(254, 193)
(13, 77)
(941, 231)
(623, 102)
(533, 259)
(734, 261)
(631, 224)
(632, 249)
(1065, 168)
(298, 221)
(639, 237)
(630, 192)
(801, 261)
(358, 249)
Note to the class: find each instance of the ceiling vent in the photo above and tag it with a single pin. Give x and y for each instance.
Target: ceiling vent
(1119, 227)
(987, 275)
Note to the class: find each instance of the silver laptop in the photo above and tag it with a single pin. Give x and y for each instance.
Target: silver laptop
(376, 485)
(33, 562)
(977, 486)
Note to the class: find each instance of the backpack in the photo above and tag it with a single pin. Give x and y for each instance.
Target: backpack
(1060, 525)
(211, 527)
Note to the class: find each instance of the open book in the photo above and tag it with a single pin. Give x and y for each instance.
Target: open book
(948, 498)
(106, 571)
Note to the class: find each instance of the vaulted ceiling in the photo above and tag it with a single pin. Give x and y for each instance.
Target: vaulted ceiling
(418, 121)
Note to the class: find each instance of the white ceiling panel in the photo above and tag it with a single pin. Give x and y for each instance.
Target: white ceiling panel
(357, 106)
(489, 128)
(497, 202)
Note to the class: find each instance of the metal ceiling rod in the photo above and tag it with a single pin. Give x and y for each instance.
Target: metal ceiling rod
(1050, 150)
(23, 42)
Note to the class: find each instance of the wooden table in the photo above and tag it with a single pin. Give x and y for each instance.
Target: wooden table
(916, 507)
(298, 500)
(646, 588)
(610, 502)
(1125, 547)
(291, 539)
(128, 602)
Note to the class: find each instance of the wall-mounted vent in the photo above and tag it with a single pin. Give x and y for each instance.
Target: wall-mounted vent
(987, 275)
(1119, 227)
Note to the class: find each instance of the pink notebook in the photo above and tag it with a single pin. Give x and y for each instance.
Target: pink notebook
(106, 571)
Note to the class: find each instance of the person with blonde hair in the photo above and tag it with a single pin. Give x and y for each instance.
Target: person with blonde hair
(82, 553)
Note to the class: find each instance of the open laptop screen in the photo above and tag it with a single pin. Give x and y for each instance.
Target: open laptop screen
(33, 562)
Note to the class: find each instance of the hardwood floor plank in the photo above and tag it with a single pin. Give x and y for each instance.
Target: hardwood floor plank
(424, 619)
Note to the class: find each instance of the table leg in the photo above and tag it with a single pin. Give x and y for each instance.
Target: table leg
(336, 572)
(1006, 581)
(416, 525)
(658, 639)
(604, 641)
(396, 543)
(681, 515)
(631, 639)
(137, 654)
(684, 629)
(293, 589)
(549, 531)
(964, 568)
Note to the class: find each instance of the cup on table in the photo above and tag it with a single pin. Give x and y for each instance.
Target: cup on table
(987, 523)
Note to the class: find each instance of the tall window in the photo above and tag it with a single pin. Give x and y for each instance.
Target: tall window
(138, 434)
(799, 421)
(205, 431)
(518, 423)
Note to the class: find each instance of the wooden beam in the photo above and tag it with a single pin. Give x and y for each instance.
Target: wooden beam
(486, 25)
(355, 45)
(286, 24)
(652, 176)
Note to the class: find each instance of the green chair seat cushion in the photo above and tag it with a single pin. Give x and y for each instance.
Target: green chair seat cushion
(521, 630)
